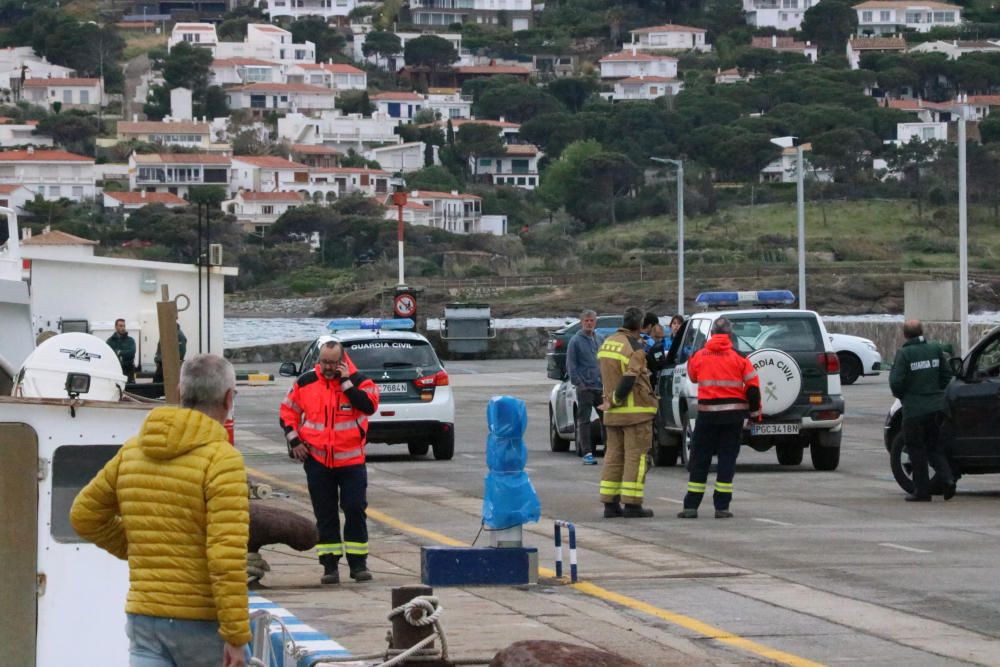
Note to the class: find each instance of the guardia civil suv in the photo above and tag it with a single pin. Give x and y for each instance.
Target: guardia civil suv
(799, 376)
(416, 405)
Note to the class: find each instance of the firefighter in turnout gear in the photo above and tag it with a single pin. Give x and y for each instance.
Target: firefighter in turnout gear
(629, 408)
(728, 393)
(325, 418)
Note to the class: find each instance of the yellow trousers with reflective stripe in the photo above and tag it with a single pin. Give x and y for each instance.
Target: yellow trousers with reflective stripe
(624, 474)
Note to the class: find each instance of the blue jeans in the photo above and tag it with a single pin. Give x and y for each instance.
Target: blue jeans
(156, 641)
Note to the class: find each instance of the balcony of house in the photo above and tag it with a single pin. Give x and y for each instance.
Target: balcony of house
(180, 176)
(305, 8)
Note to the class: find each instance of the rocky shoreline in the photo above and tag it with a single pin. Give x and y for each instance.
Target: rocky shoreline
(291, 307)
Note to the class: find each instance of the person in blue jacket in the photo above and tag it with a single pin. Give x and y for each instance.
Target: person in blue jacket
(585, 376)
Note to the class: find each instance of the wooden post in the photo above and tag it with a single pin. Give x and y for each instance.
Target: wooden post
(170, 353)
(405, 635)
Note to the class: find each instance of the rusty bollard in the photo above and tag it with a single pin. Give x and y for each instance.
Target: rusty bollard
(405, 635)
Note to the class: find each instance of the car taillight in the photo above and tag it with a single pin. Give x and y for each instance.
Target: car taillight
(439, 379)
(826, 415)
(558, 344)
(830, 362)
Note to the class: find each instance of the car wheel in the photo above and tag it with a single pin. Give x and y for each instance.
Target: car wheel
(850, 368)
(444, 445)
(665, 453)
(576, 436)
(557, 443)
(902, 469)
(686, 441)
(789, 455)
(825, 451)
(418, 448)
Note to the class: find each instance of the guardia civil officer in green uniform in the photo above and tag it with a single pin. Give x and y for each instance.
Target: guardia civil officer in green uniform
(124, 348)
(918, 378)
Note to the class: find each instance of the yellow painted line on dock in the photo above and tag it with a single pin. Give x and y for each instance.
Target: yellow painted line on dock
(687, 622)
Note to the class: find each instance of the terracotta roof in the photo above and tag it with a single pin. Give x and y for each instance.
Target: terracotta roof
(732, 71)
(648, 79)
(9, 188)
(57, 238)
(244, 62)
(399, 95)
(60, 81)
(781, 43)
(520, 149)
(139, 198)
(42, 156)
(153, 126)
(431, 194)
(348, 170)
(877, 43)
(335, 68)
(309, 149)
(792, 150)
(917, 105)
(195, 26)
(268, 28)
(268, 161)
(282, 88)
(493, 69)
(670, 27)
(985, 100)
(625, 56)
(270, 196)
(903, 4)
(459, 122)
(181, 158)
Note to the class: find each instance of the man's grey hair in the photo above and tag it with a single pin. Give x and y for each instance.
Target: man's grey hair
(205, 379)
(584, 314)
(722, 326)
(331, 344)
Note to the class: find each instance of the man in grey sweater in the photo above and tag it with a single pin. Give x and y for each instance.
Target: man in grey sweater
(585, 375)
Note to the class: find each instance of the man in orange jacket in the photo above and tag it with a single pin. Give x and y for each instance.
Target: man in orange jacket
(325, 418)
(728, 393)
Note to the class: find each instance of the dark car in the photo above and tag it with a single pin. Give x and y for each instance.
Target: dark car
(555, 351)
(970, 434)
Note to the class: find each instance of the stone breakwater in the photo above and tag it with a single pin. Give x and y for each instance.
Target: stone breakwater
(275, 307)
(529, 343)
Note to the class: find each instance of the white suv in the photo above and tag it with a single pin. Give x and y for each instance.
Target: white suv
(799, 376)
(416, 405)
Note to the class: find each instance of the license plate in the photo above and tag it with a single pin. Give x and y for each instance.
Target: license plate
(392, 388)
(774, 429)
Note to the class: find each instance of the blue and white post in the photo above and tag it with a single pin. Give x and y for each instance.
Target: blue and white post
(557, 528)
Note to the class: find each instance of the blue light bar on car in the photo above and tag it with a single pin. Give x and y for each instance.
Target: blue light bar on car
(371, 324)
(778, 297)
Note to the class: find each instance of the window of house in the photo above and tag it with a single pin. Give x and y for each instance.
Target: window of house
(884, 16)
(84, 97)
(77, 192)
(866, 17)
(914, 17)
(54, 191)
(485, 162)
(267, 210)
(68, 96)
(521, 180)
(519, 166)
(943, 17)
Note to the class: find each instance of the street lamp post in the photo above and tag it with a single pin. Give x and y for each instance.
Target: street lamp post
(963, 240)
(800, 197)
(680, 228)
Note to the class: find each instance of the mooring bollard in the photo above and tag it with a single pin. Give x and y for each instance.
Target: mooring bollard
(559, 550)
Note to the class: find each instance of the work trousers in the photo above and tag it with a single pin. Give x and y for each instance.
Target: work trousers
(624, 473)
(586, 401)
(921, 435)
(345, 486)
(710, 439)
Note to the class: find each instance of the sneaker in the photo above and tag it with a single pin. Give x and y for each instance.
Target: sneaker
(723, 514)
(687, 514)
(589, 460)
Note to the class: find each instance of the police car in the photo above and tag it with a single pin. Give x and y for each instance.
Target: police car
(416, 405)
(799, 379)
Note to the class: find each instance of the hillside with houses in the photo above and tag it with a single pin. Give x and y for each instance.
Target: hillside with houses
(517, 130)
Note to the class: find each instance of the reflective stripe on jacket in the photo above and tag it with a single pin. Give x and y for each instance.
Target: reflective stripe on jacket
(319, 413)
(622, 354)
(727, 381)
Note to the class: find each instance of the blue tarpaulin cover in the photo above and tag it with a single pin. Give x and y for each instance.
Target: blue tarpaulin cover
(509, 499)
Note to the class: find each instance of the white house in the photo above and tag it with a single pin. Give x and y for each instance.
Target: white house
(399, 105)
(177, 172)
(260, 98)
(21, 134)
(332, 11)
(448, 103)
(787, 45)
(402, 157)
(414, 212)
(238, 71)
(329, 75)
(858, 46)
(71, 93)
(645, 88)
(18, 61)
(185, 134)
(979, 105)
(783, 169)
(632, 63)
(396, 61)
(731, 75)
(126, 202)
(509, 132)
(780, 14)
(513, 14)
(268, 42)
(15, 196)
(195, 34)
(267, 173)
(669, 37)
(336, 130)
(53, 174)
(257, 211)
(907, 132)
(518, 166)
(956, 48)
(329, 183)
(451, 211)
(879, 17)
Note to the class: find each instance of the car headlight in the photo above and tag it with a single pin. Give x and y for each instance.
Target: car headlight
(871, 346)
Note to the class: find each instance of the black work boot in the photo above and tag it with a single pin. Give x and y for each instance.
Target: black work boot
(612, 510)
(914, 498)
(636, 512)
(359, 570)
(331, 574)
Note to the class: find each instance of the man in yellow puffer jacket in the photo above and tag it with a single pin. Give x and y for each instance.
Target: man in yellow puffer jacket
(173, 501)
